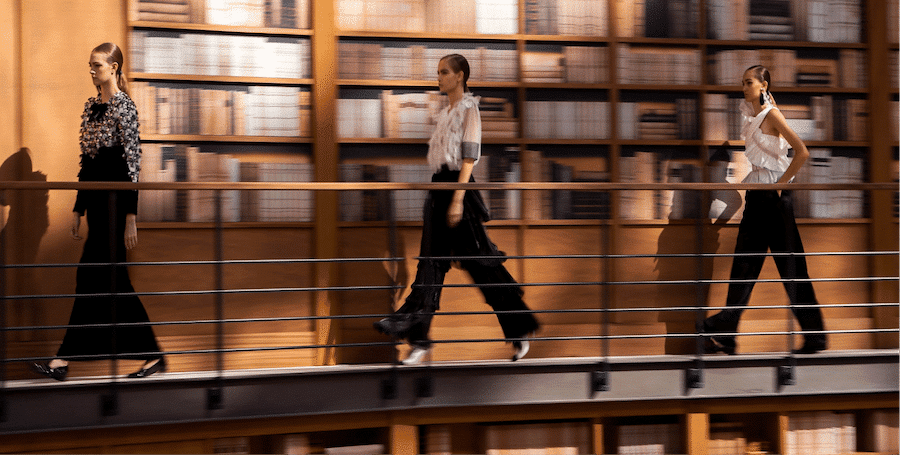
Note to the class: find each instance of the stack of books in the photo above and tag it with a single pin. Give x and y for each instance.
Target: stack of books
(658, 18)
(658, 120)
(558, 64)
(567, 119)
(438, 16)
(238, 13)
(396, 61)
(826, 167)
(652, 439)
(828, 21)
(566, 17)
(671, 66)
(770, 20)
(820, 433)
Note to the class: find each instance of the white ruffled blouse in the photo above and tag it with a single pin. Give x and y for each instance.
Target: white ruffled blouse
(768, 154)
(457, 135)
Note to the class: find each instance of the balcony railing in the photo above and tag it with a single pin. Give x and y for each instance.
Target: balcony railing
(216, 389)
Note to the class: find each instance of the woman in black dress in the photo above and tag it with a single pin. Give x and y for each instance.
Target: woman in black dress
(110, 151)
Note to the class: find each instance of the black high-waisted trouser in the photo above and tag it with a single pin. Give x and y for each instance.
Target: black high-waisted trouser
(468, 238)
(768, 224)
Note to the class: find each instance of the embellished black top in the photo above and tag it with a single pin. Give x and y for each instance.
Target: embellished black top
(111, 124)
(110, 151)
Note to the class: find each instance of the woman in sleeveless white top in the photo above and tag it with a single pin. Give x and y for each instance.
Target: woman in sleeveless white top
(768, 223)
(454, 226)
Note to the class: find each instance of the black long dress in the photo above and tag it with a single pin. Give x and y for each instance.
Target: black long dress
(105, 243)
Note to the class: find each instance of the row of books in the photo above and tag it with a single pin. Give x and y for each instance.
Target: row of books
(368, 60)
(651, 167)
(566, 17)
(537, 439)
(727, 438)
(433, 16)
(658, 120)
(849, 70)
(168, 52)
(182, 163)
(649, 439)
(820, 433)
(824, 118)
(837, 21)
(572, 64)
(239, 13)
(564, 204)
(567, 119)
(411, 115)
(657, 18)
(671, 66)
(222, 111)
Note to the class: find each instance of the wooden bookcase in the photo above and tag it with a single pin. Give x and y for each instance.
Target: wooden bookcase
(595, 426)
(531, 231)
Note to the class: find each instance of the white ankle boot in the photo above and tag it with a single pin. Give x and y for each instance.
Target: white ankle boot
(415, 356)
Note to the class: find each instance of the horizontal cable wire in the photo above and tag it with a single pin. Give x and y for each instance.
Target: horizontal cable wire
(462, 285)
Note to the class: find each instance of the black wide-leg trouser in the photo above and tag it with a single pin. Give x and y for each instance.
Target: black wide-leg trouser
(468, 238)
(768, 224)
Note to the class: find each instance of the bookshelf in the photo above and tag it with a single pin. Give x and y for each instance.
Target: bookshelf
(565, 97)
(222, 87)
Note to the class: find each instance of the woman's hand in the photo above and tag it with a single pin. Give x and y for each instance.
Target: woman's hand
(455, 212)
(76, 225)
(130, 231)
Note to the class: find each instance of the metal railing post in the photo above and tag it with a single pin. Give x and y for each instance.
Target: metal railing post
(3, 322)
(214, 394)
(110, 402)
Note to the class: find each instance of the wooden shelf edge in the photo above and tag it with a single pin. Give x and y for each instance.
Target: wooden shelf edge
(236, 80)
(238, 30)
(234, 139)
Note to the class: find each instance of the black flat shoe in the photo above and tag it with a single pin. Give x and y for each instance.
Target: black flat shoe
(144, 372)
(396, 326)
(715, 345)
(43, 369)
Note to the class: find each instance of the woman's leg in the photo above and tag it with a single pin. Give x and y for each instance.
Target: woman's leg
(752, 238)
(502, 293)
(794, 267)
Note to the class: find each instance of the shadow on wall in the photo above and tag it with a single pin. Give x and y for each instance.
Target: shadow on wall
(681, 238)
(26, 222)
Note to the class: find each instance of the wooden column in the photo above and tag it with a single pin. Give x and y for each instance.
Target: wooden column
(325, 161)
(404, 440)
(597, 437)
(697, 433)
(883, 229)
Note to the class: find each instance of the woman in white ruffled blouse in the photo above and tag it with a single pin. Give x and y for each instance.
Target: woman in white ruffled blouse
(768, 221)
(453, 226)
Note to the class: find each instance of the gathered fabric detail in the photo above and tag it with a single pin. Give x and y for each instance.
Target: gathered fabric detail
(768, 154)
(445, 145)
